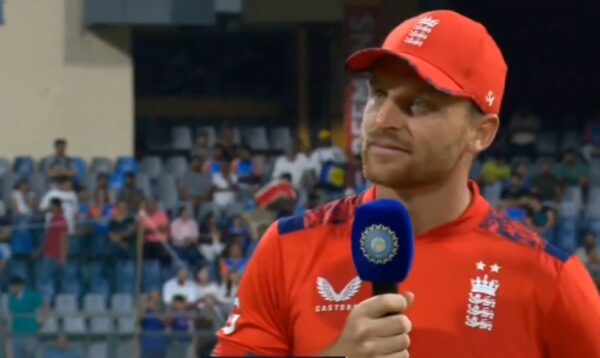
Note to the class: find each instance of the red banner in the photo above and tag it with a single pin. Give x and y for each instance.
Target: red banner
(360, 31)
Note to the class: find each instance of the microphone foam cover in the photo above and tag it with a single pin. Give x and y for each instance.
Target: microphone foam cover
(383, 241)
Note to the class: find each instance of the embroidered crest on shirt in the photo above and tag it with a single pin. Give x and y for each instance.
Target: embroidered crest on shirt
(420, 31)
(337, 299)
(482, 297)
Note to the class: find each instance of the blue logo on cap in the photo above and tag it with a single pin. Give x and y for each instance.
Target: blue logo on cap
(379, 244)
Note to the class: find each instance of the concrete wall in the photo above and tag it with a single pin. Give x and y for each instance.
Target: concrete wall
(59, 79)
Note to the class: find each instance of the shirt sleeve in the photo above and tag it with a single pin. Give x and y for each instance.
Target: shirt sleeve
(571, 325)
(258, 322)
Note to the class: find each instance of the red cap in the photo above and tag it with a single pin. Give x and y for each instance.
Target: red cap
(452, 52)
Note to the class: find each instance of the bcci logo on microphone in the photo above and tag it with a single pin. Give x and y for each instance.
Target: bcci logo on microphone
(379, 244)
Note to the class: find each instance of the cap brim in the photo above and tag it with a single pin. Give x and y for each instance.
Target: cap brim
(365, 61)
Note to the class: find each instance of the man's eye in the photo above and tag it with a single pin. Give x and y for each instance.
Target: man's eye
(420, 106)
(379, 94)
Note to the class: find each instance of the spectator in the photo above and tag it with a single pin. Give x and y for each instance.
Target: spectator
(25, 306)
(211, 317)
(225, 186)
(255, 239)
(228, 141)
(101, 212)
(213, 165)
(495, 170)
(5, 241)
(294, 163)
(60, 167)
(122, 232)
(589, 253)
(180, 285)
(522, 172)
(70, 203)
(523, 127)
(57, 234)
(571, 171)
(202, 146)
(205, 284)
(514, 195)
(546, 184)
(22, 199)
(239, 228)
(62, 349)
(195, 185)
(246, 171)
(131, 193)
(540, 218)
(154, 339)
(181, 326)
(230, 287)
(154, 224)
(234, 259)
(211, 243)
(184, 235)
(326, 153)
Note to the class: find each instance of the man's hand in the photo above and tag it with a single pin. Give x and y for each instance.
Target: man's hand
(376, 327)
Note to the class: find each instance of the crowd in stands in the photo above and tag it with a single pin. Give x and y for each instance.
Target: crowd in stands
(81, 231)
(72, 233)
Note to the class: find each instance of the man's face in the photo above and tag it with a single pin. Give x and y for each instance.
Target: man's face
(60, 148)
(15, 289)
(182, 276)
(413, 135)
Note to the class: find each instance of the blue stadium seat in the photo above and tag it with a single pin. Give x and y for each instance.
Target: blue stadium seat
(101, 165)
(70, 279)
(567, 233)
(151, 279)
(80, 169)
(24, 166)
(126, 165)
(125, 277)
(45, 277)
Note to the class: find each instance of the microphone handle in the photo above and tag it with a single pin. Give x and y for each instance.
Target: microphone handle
(380, 288)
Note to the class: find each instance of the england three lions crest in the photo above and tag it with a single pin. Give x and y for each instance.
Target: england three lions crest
(482, 298)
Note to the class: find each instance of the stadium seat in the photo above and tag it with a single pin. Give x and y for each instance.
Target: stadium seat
(70, 279)
(567, 233)
(126, 165)
(177, 166)
(122, 306)
(144, 183)
(98, 350)
(547, 143)
(571, 139)
(51, 326)
(181, 138)
(211, 133)
(151, 279)
(45, 274)
(280, 138)
(256, 138)
(94, 306)
(24, 166)
(125, 277)
(593, 206)
(39, 183)
(66, 306)
(4, 167)
(594, 172)
(101, 165)
(151, 166)
(80, 169)
(574, 195)
(19, 268)
(8, 183)
(167, 191)
(126, 348)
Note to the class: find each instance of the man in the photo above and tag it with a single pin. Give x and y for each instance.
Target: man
(62, 349)
(180, 286)
(195, 185)
(24, 306)
(59, 166)
(131, 193)
(481, 285)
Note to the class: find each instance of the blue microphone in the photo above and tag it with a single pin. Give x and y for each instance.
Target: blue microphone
(383, 244)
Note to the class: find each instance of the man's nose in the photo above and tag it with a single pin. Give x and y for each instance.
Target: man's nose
(390, 115)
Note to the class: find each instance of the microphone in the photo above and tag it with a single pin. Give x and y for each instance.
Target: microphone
(383, 244)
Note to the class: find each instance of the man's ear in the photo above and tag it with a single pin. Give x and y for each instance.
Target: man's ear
(483, 132)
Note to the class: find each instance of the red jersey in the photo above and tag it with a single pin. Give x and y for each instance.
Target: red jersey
(56, 234)
(484, 287)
